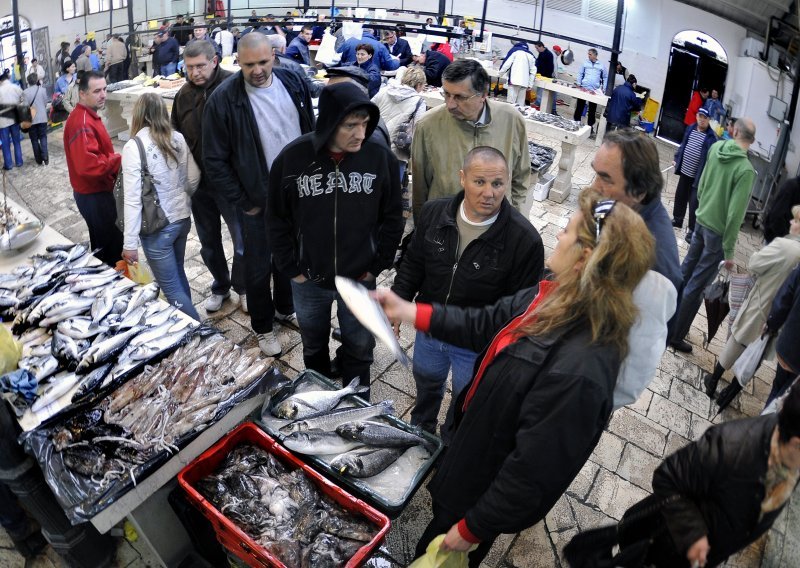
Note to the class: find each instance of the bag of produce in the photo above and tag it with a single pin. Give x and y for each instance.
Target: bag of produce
(438, 558)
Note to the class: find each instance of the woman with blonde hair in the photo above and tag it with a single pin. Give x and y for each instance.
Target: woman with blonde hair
(175, 176)
(543, 386)
(400, 103)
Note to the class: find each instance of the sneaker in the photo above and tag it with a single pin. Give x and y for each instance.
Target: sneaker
(214, 301)
(681, 345)
(269, 344)
(243, 302)
(688, 237)
(287, 319)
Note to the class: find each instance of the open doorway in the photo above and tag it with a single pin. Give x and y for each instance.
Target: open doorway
(696, 60)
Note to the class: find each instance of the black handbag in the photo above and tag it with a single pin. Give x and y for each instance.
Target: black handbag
(153, 217)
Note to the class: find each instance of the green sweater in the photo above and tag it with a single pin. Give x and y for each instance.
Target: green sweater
(724, 192)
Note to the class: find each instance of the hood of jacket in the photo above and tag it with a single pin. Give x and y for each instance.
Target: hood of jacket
(399, 92)
(335, 103)
(730, 151)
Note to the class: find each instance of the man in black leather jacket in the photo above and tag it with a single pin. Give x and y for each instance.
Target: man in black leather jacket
(467, 250)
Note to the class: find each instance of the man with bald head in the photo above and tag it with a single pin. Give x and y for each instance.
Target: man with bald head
(247, 122)
(467, 250)
(723, 194)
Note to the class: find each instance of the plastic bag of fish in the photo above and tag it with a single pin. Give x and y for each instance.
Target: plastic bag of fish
(283, 511)
(97, 454)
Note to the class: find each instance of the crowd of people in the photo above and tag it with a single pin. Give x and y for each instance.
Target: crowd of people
(541, 351)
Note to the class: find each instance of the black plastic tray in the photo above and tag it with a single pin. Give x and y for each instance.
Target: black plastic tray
(356, 486)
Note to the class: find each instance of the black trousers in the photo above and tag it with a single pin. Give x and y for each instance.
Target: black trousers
(100, 213)
(440, 524)
(685, 195)
(580, 104)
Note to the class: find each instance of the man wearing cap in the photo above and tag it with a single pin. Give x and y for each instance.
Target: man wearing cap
(334, 209)
(690, 159)
(165, 54)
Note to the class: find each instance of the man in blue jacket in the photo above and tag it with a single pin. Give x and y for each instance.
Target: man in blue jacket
(623, 102)
(165, 56)
(298, 47)
(592, 76)
(382, 57)
(398, 47)
(690, 159)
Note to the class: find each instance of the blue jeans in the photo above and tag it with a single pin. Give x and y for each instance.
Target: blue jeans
(165, 251)
(166, 69)
(259, 269)
(38, 134)
(207, 208)
(699, 267)
(8, 136)
(313, 307)
(433, 359)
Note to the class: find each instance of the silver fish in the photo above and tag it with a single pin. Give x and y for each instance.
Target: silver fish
(100, 351)
(379, 434)
(91, 381)
(59, 386)
(313, 402)
(64, 348)
(369, 312)
(366, 463)
(80, 328)
(328, 421)
(141, 296)
(319, 443)
(40, 368)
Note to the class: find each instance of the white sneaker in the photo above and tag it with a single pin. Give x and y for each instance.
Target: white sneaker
(243, 302)
(287, 319)
(214, 301)
(269, 344)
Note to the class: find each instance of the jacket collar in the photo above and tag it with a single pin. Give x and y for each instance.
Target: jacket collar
(470, 125)
(92, 113)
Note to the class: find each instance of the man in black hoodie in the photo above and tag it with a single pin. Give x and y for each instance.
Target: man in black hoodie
(334, 209)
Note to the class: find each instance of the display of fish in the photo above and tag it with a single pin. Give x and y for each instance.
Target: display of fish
(312, 402)
(102, 305)
(369, 313)
(379, 434)
(58, 387)
(366, 462)
(315, 443)
(141, 296)
(104, 348)
(328, 421)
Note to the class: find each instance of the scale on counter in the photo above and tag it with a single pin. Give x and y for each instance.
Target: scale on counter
(18, 228)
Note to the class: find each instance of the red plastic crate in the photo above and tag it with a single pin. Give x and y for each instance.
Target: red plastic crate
(235, 539)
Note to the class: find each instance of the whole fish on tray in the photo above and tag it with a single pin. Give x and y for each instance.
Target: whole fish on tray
(328, 421)
(366, 462)
(312, 402)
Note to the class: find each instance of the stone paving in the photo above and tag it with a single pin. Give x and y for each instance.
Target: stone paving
(672, 411)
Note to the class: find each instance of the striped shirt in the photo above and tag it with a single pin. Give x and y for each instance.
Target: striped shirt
(691, 154)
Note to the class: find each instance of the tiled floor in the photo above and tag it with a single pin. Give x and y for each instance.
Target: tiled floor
(671, 412)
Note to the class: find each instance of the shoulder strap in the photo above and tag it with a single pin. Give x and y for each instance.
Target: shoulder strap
(416, 108)
(146, 187)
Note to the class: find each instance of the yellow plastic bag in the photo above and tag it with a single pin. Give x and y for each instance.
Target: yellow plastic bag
(139, 272)
(10, 351)
(437, 558)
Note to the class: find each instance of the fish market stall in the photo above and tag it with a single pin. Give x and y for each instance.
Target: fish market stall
(551, 87)
(116, 391)
(119, 107)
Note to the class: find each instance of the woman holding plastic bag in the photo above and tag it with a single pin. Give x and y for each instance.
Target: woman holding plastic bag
(156, 149)
(770, 266)
(543, 388)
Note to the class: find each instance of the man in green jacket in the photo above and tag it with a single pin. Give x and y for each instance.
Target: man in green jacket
(723, 194)
(466, 120)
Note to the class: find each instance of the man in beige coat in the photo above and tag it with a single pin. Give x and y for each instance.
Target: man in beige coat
(116, 52)
(770, 266)
(447, 133)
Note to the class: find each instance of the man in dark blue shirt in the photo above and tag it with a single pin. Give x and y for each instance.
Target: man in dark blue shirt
(546, 67)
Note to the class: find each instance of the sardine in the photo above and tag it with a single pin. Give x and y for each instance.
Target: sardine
(313, 402)
(319, 443)
(366, 462)
(328, 421)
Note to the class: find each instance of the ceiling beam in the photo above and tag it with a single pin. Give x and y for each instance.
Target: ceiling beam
(745, 20)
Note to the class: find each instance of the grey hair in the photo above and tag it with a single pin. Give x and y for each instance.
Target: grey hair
(196, 48)
(278, 41)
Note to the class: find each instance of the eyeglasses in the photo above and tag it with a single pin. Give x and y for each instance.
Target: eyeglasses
(602, 209)
(459, 99)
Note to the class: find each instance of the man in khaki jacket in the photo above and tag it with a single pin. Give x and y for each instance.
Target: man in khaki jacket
(447, 133)
(116, 52)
